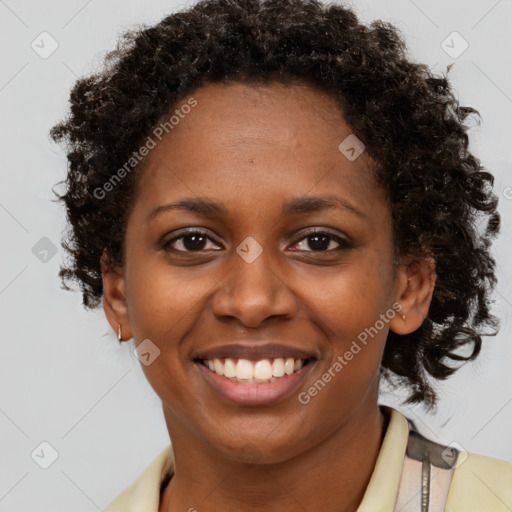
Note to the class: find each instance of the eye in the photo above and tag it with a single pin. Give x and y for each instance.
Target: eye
(189, 241)
(196, 241)
(321, 241)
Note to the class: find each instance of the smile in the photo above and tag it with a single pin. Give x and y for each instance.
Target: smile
(249, 372)
(259, 382)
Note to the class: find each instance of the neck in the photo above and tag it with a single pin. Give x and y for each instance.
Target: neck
(332, 475)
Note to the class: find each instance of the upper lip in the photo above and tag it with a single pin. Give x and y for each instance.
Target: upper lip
(253, 350)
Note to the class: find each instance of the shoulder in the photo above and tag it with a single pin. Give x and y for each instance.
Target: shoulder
(480, 483)
(144, 492)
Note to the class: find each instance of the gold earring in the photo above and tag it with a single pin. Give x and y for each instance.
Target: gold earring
(403, 316)
(119, 335)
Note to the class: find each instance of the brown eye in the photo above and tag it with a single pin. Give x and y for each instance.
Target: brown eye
(321, 241)
(190, 241)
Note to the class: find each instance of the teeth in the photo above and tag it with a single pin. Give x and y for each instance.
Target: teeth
(218, 366)
(278, 367)
(229, 368)
(263, 371)
(244, 370)
(288, 366)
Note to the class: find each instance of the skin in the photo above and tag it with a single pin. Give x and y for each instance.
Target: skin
(251, 148)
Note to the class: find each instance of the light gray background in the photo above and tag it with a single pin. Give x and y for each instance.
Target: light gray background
(63, 377)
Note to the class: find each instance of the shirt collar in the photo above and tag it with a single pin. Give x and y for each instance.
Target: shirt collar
(382, 490)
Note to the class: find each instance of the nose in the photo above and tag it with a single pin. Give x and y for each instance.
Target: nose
(253, 291)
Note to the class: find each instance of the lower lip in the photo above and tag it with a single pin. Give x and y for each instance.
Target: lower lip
(256, 393)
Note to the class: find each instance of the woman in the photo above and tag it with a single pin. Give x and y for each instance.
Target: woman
(279, 208)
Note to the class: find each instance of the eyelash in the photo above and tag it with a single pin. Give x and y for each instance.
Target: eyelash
(344, 243)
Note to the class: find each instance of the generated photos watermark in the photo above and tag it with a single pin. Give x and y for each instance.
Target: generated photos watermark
(137, 156)
(305, 396)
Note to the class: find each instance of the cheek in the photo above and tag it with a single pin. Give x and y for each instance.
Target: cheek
(352, 309)
(164, 305)
(161, 299)
(350, 318)
(161, 309)
(347, 300)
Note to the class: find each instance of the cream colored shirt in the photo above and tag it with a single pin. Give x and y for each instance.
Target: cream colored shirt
(476, 483)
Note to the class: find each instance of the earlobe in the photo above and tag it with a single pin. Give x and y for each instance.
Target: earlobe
(114, 299)
(416, 283)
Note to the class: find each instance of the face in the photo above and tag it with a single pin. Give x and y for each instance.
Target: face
(258, 271)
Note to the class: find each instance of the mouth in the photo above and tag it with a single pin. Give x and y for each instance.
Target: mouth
(254, 381)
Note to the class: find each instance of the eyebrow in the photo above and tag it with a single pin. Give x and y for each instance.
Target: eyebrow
(209, 208)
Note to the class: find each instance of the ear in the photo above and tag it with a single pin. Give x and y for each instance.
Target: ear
(114, 297)
(415, 286)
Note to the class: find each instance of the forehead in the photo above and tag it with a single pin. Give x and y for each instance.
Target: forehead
(263, 140)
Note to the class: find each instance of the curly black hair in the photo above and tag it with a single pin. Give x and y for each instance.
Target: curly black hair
(410, 121)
